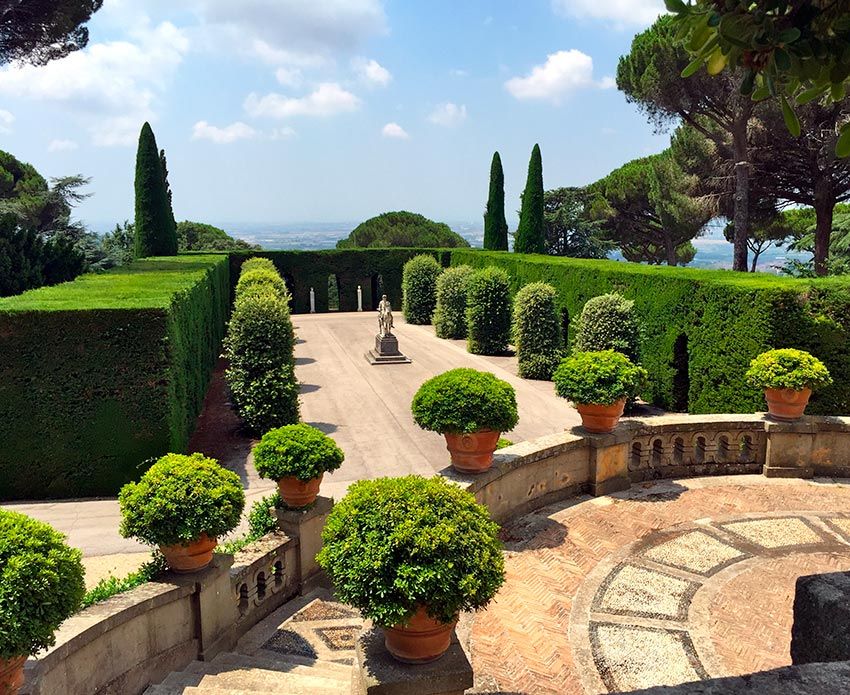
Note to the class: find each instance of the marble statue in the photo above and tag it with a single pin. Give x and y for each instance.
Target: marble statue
(385, 317)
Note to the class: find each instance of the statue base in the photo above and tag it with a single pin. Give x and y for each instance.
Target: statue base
(386, 351)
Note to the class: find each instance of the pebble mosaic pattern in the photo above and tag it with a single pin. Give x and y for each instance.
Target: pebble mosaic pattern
(695, 551)
(775, 533)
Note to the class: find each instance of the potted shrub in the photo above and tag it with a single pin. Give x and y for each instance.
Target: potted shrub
(182, 504)
(788, 378)
(471, 409)
(411, 553)
(41, 584)
(599, 384)
(297, 457)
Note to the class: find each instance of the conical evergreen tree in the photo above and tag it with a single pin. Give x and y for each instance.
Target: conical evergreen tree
(168, 194)
(495, 225)
(531, 231)
(156, 234)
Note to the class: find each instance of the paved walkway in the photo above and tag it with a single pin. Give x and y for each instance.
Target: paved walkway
(667, 583)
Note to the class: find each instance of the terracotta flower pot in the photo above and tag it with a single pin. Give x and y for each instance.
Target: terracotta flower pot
(787, 404)
(192, 557)
(601, 419)
(296, 493)
(11, 675)
(472, 453)
(421, 641)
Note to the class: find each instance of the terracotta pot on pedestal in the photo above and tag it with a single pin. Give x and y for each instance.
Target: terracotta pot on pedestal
(601, 419)
(421, 641)
(192, 557)
(787, 404)
(298, 493)
(11, 674)
(473, 452)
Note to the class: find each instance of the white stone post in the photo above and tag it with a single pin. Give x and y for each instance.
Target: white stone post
(312, 301)
(359, 298)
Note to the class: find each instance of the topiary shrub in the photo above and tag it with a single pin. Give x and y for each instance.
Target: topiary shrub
(419, 289)
(787, 369)
(450, 314)
(608, 322)
(41, 584)
(462, 401)
(296, 451)
(259, 279)
(598, 378)
(265, 401)
(488, 312)
(257, 263)
(393, 544)
(537, 331)
(180, 498)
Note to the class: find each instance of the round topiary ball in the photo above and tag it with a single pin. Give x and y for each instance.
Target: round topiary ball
(419, 289)
(787, 369)
(258, 279)
(298, 451)
(393, 544)
(598, 378)
(608, 322)
(41, 584)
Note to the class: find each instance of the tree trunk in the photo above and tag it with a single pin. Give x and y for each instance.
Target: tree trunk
(741, 219)
(824, 209)
(670, 248)
(756, 255)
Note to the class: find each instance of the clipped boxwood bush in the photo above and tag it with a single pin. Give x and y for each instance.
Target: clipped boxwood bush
(488, 312)
(300, 451)
(179, 498)
(450, 314)
(608, 322)
(788, 369)
(462, 401)
(257, 263)
(598, 378)
(537, 331)
(393, 544)
(419, 289)
(260, 279)
(41, 584)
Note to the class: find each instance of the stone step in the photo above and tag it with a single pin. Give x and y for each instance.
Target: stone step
(254, 680)
(288, 663)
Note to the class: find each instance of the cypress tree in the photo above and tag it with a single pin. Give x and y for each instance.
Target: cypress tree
(495, 225)
(156, 234)
(168, 194)
(531, 231)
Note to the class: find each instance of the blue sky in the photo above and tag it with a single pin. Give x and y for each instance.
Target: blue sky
(333, 110)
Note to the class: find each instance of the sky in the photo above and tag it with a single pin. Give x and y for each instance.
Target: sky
(287, 111)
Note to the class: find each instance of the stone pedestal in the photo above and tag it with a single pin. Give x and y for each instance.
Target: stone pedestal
(790, 449)
(386, 351)
(821, 630)
(609, 461)
(306, 525)
(378, 673)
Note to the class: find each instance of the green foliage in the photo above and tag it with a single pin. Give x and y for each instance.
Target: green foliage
(402, 230)
(156, 234)
(787, 369)
(503, 443)
(537, 331)
(300, 451)
(100, 374)
(488, 312)
(393, 544)
(570, 228)
(256, 263)
(450, 313)
(180, 498)
(111, 586)
(598, 378)
(495, 225)
(419, 289)
(261, 521)
(531, 231)
(609, 322)
(464, 401)
(197, 236)
(41, 584)
(254, 279)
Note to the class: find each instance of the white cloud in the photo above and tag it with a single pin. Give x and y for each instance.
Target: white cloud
(563, 73)
(288, 77)
(448, 115)
(111, 87)
(6, 120)
(62, 145)
(622, 13)
(394, 130)
(282, 133)
(222, 136)
(327, 99)
(371, 72)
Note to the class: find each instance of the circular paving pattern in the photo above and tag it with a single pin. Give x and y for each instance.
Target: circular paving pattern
(667, 583)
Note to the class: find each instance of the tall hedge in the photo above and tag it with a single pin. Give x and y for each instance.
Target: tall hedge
(608, 322)
(537, 331)
(495, 224)
(488, 312)
(100, 374)
(450, 314)
(531, 232)
(419, 289)
(156, 232)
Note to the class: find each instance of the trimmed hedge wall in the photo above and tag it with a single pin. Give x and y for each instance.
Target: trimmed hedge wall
(100, 374)
(702, 327)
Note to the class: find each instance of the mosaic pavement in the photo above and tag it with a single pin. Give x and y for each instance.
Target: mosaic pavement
(668, 583)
